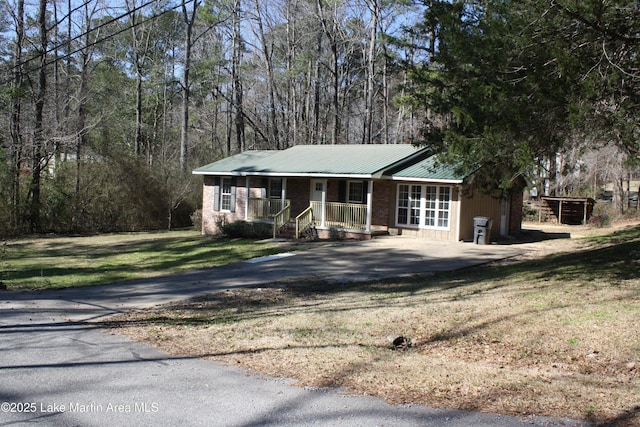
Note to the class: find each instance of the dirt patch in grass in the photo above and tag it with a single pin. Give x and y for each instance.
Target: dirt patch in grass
(552, 333)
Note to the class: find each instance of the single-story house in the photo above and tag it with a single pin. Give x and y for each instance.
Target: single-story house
(360, 190)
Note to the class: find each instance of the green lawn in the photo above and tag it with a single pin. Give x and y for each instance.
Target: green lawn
(552, 333)
(60, 262)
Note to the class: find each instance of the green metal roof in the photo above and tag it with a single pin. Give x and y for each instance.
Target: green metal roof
(246, 160)
(429, 169)
(314, 160)
(397, 162)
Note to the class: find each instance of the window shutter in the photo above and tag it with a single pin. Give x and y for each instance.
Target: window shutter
(342, 191)
(265, 188)
(216, 193)
(233, 194)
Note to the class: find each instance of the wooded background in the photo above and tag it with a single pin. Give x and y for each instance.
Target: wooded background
(108, 105)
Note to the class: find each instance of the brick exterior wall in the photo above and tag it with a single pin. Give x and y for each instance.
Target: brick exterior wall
(298, 192)
(384, 204)
(210, 218)
(208, 225)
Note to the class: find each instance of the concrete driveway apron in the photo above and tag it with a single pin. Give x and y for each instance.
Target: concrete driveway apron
(57, 366)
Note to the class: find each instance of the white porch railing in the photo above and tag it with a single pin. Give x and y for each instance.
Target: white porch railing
(304, 220)
(350, 216)
(280, 219)
(265, 209)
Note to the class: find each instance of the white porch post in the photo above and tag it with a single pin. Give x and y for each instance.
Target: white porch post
(369, 205)
(247, 187)
(324, 202)
(458, 213)
(283, 193)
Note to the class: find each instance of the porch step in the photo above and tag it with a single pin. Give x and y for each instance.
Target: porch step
(288, 231)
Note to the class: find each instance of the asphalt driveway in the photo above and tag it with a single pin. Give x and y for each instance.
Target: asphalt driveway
(59, 368)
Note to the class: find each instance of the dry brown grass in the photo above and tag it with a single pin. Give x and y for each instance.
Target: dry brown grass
(553, 335)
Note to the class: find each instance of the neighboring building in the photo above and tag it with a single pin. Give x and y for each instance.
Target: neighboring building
(361, 190)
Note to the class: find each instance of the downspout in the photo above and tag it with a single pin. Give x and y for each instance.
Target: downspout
(458, 213)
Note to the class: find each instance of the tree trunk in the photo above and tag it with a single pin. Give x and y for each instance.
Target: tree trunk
(628, 192)
(138, 131)
(316, 93)
(66, 110)
(235, 74)
(16, 118)
(189, 20)
(371, 61)
(80, 128)
(432, 55)
(140, 45)
(292, 101)
(618, 195)
(271, 89)
(38, 131)
(385, 104)
(292, 98)
(335, 66)
(56, 74)
(82, 99)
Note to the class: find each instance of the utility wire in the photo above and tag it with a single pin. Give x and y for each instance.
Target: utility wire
(97, 41)
(104, 24)
(61, 20)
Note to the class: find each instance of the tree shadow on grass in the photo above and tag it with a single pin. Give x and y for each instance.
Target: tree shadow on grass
(609, 263)
(94, 264)
(628, 418)
(534, 236)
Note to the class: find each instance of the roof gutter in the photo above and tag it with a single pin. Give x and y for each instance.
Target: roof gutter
(286, 174)
(436, 180)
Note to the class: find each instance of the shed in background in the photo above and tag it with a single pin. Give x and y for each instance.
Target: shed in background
(567, 210)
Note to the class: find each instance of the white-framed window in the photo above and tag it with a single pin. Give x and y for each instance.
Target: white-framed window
(225, 194)
(430, 208)
(275, 188)
(409, 204)
(444, 206)
(415, 203)
(355, 192)
(423, 206)
(402, 216)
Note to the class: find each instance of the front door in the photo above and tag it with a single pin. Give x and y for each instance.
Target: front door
(318, 187)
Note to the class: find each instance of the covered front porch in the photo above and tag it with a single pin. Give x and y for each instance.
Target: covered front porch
(314, 209)
(347, 217)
